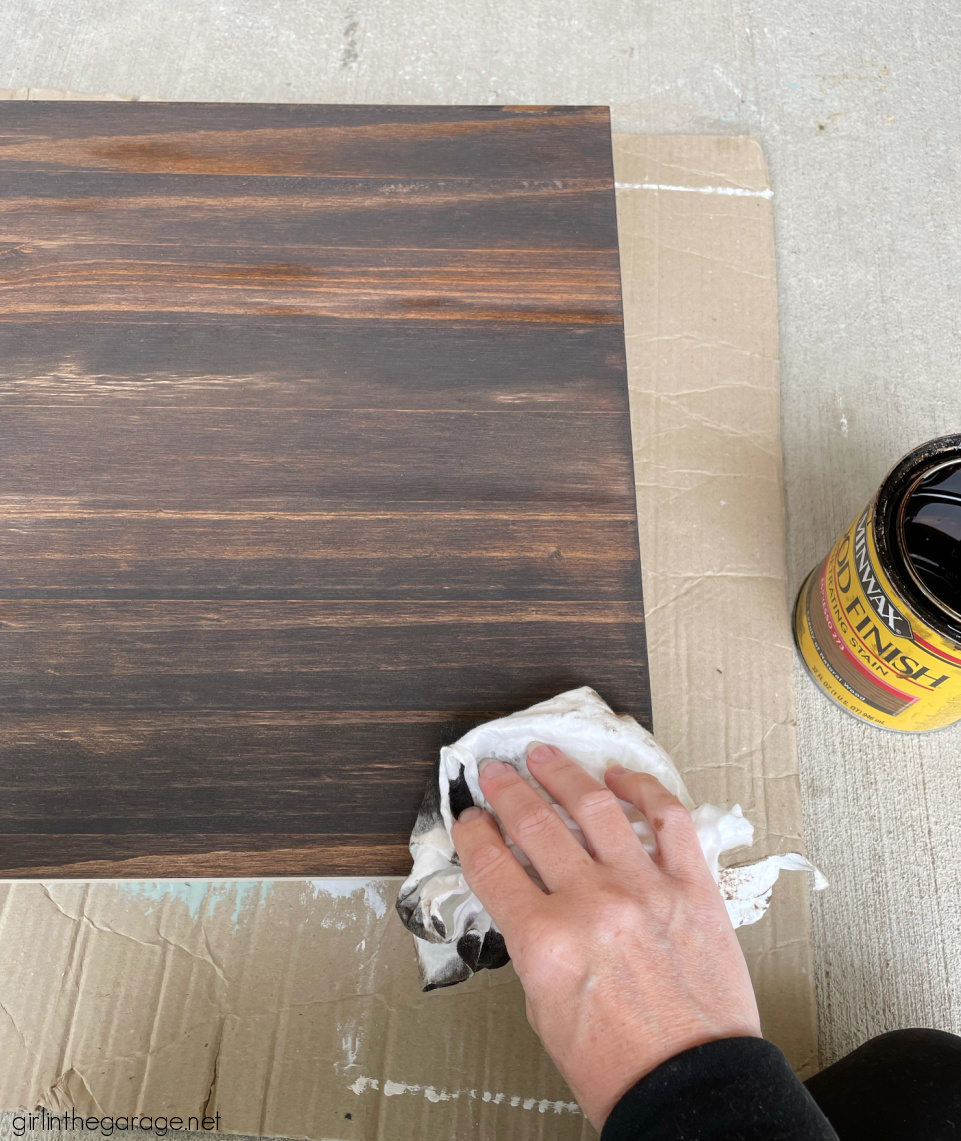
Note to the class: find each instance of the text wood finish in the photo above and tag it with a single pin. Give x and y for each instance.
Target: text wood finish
(315, 451)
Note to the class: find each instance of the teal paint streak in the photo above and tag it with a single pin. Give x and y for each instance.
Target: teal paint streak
(243, 898)
(200, 897)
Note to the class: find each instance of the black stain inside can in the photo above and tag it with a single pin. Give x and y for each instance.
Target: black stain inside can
(931, 525)
(917, 522)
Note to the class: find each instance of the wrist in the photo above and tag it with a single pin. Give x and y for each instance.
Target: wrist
(609, 1078)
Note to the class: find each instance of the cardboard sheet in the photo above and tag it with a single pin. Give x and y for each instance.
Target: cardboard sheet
(700, 305)
(291, 1008)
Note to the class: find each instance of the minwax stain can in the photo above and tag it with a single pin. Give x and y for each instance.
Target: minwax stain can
(878, 623)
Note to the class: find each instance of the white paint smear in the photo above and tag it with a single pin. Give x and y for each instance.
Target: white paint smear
(394, 1089)
(738, 191)
(372, 890)
(351, 1040)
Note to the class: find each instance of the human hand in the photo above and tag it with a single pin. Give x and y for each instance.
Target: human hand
(626, 960)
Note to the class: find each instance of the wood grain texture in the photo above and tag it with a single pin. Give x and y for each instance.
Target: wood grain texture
(314, 452)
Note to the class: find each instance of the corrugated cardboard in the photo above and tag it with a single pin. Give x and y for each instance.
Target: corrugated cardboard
(700, 307)
(292, 1007)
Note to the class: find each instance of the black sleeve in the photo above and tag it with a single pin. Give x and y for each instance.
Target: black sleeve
(735, 1089)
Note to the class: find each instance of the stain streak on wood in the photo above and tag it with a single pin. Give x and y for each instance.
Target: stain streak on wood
(314, 452)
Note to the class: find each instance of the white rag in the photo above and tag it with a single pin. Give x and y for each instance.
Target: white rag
(454, 935)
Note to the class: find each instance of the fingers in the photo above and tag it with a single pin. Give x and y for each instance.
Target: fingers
(593, 807)
(533, 825)
(493, 873)
(678, 848)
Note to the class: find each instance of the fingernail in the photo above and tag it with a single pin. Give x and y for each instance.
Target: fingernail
(469, 814)
(492, 766)
(617, 769)
(538, 752)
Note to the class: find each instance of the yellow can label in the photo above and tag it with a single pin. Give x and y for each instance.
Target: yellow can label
(867, 649)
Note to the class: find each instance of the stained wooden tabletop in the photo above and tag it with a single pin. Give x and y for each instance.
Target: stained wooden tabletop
(314, 452)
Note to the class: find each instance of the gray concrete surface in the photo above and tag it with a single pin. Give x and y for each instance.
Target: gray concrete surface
(856, 105)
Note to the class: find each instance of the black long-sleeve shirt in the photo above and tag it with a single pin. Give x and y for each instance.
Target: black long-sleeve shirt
(734, 1089)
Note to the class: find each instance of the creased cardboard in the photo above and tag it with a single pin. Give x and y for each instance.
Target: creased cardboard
(700, 306)
(291, 1008)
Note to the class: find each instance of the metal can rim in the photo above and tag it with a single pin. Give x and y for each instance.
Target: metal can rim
(886, 511)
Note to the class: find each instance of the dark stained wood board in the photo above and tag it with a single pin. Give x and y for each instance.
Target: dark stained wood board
(314, 452)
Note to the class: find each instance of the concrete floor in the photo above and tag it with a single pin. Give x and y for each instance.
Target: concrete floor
(856, 105)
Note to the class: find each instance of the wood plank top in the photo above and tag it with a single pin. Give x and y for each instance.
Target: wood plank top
(314, 452)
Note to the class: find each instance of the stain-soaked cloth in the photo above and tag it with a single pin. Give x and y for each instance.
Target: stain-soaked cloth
(453, 934)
